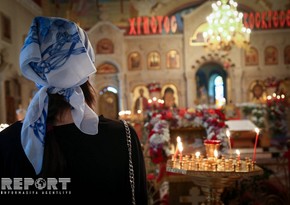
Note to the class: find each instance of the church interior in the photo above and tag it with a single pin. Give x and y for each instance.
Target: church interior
(182, 73)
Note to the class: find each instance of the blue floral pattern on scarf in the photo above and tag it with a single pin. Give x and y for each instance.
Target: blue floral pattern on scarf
(56, 55)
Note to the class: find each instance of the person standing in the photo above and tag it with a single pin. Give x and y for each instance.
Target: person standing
(63, 147)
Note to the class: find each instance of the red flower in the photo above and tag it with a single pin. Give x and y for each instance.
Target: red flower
(150, 176)
(156, 155)
(168, 115)
(182, 112)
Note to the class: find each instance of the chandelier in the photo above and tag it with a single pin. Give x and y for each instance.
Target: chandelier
(225, 27)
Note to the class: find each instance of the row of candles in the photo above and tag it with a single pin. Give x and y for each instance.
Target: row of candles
(152, 103)
(198, 162)
(275, 98)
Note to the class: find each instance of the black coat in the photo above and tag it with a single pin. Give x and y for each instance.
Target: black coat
(96, 166)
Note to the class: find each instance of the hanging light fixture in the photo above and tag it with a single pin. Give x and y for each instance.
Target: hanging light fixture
(225, 27)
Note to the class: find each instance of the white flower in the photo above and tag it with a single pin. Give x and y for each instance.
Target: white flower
(156, 139)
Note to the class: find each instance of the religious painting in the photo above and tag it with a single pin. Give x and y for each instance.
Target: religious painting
(5, 28)
(287, 55)
(154, 60)
(106, 68)
(169, 95)
(105, 46)
(251, 57)
(172, 59)
(140, 99)
(271, 55)
(257, 92)
(134, 61)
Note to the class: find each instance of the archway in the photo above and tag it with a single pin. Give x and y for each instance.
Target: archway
(108, 102)
(211, 84)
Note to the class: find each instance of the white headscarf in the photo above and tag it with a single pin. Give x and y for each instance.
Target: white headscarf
(58, 57)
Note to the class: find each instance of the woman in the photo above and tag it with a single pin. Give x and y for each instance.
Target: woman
(63, 148)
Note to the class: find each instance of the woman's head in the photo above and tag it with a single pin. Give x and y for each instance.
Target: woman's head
(58, 57)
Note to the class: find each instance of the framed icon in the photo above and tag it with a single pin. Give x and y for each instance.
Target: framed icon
(271, 55)
(172, 59)
(105, 46)
(251, 57)
(154, 60)
(134, 61)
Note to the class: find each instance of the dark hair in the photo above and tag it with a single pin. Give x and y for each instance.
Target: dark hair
(57, 105)
(54, 162)
(168, 90)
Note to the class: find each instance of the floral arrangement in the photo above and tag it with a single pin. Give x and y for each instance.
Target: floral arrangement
(213, 120)
(159, 147)
(255, 112)
(154, 87)
(273, 112)
(276, 109)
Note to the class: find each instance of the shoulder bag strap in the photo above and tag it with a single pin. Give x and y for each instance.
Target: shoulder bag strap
(131, 168)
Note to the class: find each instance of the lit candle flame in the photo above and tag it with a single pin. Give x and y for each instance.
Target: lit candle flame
(180, 147)
(178, 139)
(257, 130)
(238, 154)
(256, 143)
(215, 153)
(197, 154)
(228, 133)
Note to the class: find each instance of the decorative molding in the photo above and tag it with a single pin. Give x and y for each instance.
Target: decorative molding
(31, 6)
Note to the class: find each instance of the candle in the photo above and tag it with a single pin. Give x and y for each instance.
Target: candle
(197, 154)
(256, 142)
(178, 140)
(180, 149)
(228, 133)
(238, 155)
(215, 153)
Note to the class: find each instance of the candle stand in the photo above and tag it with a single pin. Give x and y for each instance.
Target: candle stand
(213, 175)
